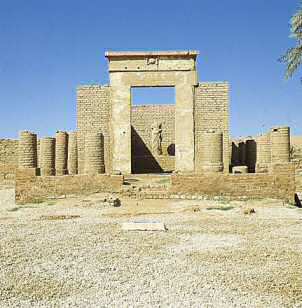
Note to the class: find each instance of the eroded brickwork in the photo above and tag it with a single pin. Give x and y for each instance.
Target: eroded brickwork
(8, 160)
(211, 112)
(93, 111)
(33, 188)
(279, 184)
(190, 137)
(8, 151)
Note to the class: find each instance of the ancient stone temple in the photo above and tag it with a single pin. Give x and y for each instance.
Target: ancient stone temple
(130, 141)
(188, 141)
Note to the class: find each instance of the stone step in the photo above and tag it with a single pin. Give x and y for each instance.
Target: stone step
(163, 195)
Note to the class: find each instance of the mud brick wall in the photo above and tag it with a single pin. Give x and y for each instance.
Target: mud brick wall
(298, 180)
(93, 113)
(8, 160)
(298, 175)
(296, 148)
(212, 112)
(9, 151)
(278, 184)
(7, 174)
(32, 188)
(143, 157)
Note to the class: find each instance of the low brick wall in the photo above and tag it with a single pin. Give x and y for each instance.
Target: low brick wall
(8, 161)
(8, 151)
(33, 188)
(7, 173)
(278, 184)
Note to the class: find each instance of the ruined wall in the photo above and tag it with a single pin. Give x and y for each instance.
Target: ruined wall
(93, 108)
(279, 184)
(8, 160)
(144, 158)
(260, 151)
(296, 158)
(7, 174)
(93, 112)
(8, 151)
(32, 188)
(244, 152)
(296, 147)
(211, 112)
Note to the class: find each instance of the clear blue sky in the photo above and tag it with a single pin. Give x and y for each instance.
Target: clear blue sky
(49, 47)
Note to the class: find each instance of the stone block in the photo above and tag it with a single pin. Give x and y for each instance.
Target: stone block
(143, 226)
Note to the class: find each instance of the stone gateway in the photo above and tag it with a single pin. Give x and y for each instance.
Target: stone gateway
(190, 139)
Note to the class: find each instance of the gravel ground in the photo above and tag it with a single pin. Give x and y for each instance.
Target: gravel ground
(73, 253)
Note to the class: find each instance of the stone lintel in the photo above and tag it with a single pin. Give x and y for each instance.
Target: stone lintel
(131, 54)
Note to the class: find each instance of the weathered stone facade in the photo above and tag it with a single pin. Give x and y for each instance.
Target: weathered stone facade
(152, 69)
(126, 129)
(190, 139)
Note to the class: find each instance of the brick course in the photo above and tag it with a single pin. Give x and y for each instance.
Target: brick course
(279, 184)
(212, 112)
(9, 151)
(93, 113)
(32, 188)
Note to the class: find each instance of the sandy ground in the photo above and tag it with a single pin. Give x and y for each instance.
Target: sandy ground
(73, 253)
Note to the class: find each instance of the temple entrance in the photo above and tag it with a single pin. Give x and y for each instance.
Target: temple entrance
(152, 129)
(152, 69)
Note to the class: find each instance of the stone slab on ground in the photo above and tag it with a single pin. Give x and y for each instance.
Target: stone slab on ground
(143, 226)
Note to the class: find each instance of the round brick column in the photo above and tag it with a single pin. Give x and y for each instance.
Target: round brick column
(251, 153)
(211, 151)
(72, 153)
(263, 153)
(94, 153)
(47, 153)
(27, 150)
(280, 142)
(242, 152)
(61, 152)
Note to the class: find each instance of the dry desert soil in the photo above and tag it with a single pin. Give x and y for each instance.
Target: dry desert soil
(73, 253)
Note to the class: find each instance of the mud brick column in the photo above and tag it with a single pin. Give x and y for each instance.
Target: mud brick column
(280, 141)
(251, 153)
(47, 150)
(242, 152)
(263, 153)
(212, 112)
(27, 150)
(212, 151)
(93, 114)
(94, 153)
(61, 153)
(72, 164)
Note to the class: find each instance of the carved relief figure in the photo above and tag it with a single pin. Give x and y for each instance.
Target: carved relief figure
(156, 131)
